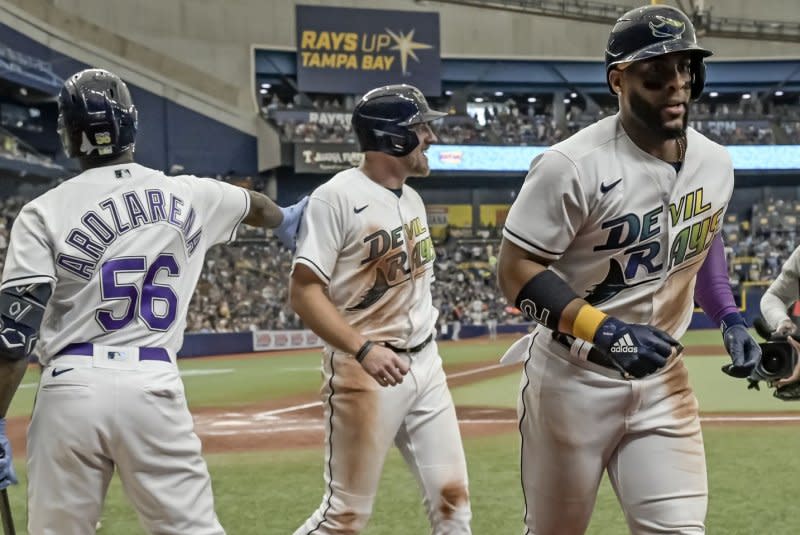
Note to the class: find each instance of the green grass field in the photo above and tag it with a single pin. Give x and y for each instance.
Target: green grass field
(752, 469)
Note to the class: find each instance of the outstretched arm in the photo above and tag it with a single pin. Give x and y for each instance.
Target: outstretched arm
(265, 213)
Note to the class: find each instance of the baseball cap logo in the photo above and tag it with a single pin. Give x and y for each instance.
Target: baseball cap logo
(667, 28)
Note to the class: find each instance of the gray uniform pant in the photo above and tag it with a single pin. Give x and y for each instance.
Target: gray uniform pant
(579, 419)
(363, 420)
(88, 421)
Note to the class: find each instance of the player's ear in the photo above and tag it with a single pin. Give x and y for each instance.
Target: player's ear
(615, 80)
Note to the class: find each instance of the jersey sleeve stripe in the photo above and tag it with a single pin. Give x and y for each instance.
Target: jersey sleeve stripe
(241, 218)
(517, 238)
(27, 279)
(314, 267)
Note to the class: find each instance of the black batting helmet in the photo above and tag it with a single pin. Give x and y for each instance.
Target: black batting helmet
(651, 31)
(96, 115)
(383, 117)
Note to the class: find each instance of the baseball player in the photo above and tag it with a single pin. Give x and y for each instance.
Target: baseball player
(626, 211)
(361, 280)
(99, 272)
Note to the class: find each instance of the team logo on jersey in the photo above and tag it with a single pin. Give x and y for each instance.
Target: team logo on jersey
(613, 283)
(102, 138)
(388, 251)
(637, 243)
(667, 28)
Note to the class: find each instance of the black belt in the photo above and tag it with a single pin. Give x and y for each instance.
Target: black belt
(596, 356)
(416, 349)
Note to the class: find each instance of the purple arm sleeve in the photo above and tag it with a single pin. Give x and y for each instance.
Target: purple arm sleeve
(712, 290)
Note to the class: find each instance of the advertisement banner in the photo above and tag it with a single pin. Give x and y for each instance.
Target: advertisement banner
(348, 50)
(326, 158)
(279, 340)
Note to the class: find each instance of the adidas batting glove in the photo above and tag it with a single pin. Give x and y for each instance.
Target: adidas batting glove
(637, 350)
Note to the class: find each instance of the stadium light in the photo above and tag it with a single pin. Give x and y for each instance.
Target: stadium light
(265, 85)
(498, 93)
(778, 93)
(478, 99)
(573, 95)
(448, 93)
(531, 99)
(567, 101)
(713, 94)
(263, 91)
(746, 96)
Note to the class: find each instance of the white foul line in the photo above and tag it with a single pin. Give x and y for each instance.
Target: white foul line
(743, 418)
(292, 408)
(476, 370)
(319, 403)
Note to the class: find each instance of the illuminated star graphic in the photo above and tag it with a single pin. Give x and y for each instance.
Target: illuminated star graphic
(406, 45)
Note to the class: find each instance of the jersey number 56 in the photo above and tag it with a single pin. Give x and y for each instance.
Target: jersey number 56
(156, 304)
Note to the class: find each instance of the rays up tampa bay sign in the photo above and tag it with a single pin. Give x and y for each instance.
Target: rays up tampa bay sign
(346, 50)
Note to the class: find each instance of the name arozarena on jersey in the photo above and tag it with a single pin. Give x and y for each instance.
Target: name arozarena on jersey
(119, 215)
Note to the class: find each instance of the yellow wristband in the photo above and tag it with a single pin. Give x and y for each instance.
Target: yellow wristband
(587, 321)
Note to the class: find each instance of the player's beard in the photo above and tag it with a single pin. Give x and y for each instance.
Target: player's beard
(650, 116)
(418, 163)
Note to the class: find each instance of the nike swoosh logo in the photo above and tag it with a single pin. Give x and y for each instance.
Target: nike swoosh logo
(605, 189)
(359, 210)
(57, 372)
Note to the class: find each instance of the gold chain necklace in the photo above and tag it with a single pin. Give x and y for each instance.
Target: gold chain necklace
(681, 148)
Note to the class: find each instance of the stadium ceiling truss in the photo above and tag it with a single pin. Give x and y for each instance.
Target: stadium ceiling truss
(607, 13)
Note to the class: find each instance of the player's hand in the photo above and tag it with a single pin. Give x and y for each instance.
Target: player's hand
(7, 474)
(637, 350)
(742, 348)
(785, 328)
(385, 366)
(292, 215)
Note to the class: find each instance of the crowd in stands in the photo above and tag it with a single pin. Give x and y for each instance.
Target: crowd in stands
(745, 122)
(11, 148)
(244, 285)
(756, 247)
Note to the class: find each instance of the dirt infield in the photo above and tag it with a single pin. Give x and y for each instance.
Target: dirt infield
(296, 421)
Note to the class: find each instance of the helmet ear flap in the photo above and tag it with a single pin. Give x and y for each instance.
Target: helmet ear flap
(698, 76)
(396, 141)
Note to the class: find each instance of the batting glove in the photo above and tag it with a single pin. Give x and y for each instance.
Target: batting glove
(7, 474)
(287, 230)
(742, 348)
(636, 350)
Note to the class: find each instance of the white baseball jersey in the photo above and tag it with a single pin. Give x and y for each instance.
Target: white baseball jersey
(373, 249)
(620, 226)
(123, 247)
(628, 233)
(783, 291)
(375, 252)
